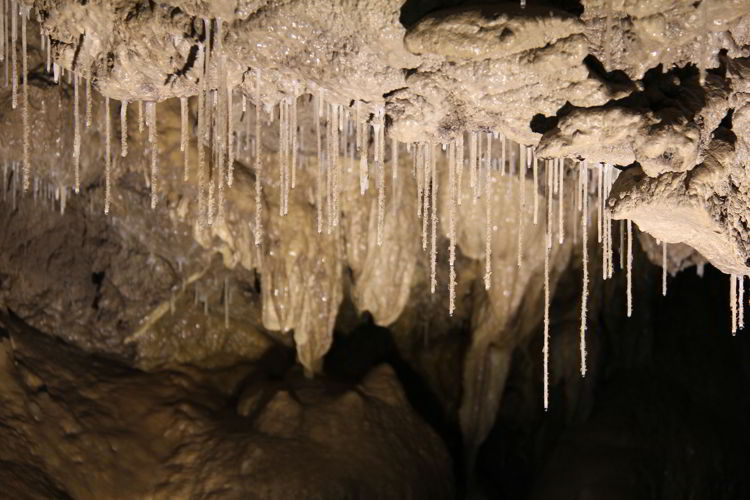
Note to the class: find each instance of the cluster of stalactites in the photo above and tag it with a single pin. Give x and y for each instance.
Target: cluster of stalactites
(348, 139)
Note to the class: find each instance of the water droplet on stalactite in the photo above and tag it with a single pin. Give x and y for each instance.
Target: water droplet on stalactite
(664, 268)
(521, 200)
(630, 268)
(259, 165)
(124, 129)
(733, 301)
(452, 192)
(151, 110)
(523, 4)
(108, 156)
(76, 137)
(25, 110)
(14, 62)
(184, 133)
(583, 175)
(434, 209)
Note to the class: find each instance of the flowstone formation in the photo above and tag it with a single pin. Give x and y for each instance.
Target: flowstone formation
(444, 171)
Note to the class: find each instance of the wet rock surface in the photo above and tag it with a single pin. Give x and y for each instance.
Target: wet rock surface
(82, 426)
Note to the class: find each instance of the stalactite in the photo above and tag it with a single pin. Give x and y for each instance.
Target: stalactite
(521, 201)
(283, 129)
(473, 163)
(433, 211)
(108, 157)
(25, 104)
(561, 204)
(536, 189)
(741, 301)
(226, 302)
(584, 244)
(154, 151)
(141, 117)
(630, 268)
(419, 174)
(184, 134)
(76, 138)
(379, 125)
(452, 192)
(459, 165)
(733, 301)
(578, 192)
(13, 56)
(293, 133)
(230, 134)
(124, 129)
(329, 165)
(545, 347)
(664, 268)
(394, 163)
(604, 221)
(3, 34)
(318, 112)
(335, 162)
(362, 134)
(503, 158)
(488, 219)
(258, 165)
(622, 244)
(425, 166)
(6, 8)
(202, 202)
(610, 259)
(599, 201)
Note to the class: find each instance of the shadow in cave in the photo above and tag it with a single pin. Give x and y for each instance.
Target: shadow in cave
(669, 410)
(367, 345)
